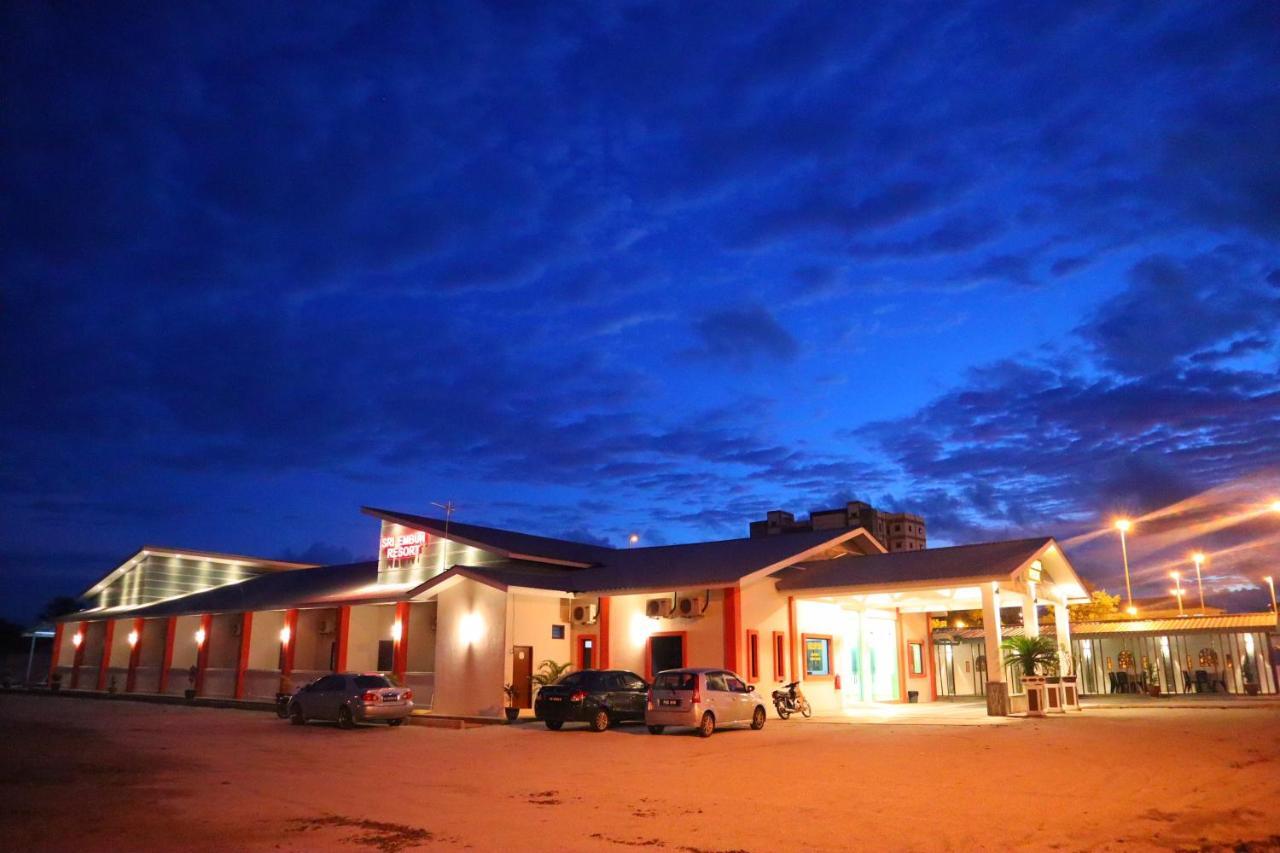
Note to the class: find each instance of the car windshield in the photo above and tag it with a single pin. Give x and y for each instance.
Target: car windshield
(367, 681)
(675, 681)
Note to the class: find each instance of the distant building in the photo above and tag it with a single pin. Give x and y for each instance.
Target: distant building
(896, 531)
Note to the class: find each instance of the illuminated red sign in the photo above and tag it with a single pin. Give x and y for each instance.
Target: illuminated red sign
(406, 546)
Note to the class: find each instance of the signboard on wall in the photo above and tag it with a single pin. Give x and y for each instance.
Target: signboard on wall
(404, 546)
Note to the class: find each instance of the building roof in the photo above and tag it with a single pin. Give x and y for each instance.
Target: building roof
(1185, 625)
(968, 563)
(315, 587)
(603, 569)
(258, 563)
(508, 543)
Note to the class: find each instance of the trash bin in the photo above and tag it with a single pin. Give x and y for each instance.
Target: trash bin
(913, 696)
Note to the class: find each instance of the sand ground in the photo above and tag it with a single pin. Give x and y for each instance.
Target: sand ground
(94, 775)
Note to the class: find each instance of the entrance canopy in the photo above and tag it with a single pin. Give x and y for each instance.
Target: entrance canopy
(939, 579)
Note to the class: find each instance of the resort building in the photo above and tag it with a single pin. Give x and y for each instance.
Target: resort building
(896, 531)
(458, 611)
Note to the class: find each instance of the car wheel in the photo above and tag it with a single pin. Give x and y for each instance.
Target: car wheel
(656, 730)
(758, 718)
(345, 720)
(554, 725)
(395, 722)
(707, 727)
(600, 721)
(295, 716)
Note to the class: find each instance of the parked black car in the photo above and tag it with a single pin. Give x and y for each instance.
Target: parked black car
(599, 697)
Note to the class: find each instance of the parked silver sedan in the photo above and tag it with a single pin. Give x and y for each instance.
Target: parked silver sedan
(704, 698)
(349, 698)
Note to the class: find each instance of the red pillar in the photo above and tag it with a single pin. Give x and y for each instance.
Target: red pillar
(344, 628)
(202, 654)
(793, 641)
(732, 627)
(78, 657)
(170, 628)
(57, 649)
(242, 665)
(286, 649)
(107, 636)
(602, 616)
(400, 664)
(135, 653)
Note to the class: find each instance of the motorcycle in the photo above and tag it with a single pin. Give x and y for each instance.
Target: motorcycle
(790, 701)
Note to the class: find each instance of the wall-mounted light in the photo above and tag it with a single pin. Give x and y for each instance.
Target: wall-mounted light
(397, 630)
(76, 639)
(133, 638)
(284, 635)
(471, 628)
(200, 636)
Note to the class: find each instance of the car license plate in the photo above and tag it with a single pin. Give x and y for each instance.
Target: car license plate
(669, 703)
(555, 698)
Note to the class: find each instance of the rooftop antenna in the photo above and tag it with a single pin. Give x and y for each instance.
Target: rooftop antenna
(447, 506)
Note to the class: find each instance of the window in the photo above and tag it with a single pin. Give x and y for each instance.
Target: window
(557, 632)
(364, 681)
(817, 655)
(753, 655)
(735, 684)
(916, 651)
(779, 656)
(631, 681)
(675, 681)
(715, 681)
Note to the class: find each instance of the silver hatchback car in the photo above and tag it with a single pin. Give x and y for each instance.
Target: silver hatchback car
(703, 698)
(350, 698)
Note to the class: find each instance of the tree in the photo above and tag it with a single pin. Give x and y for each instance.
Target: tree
(59, 605)
(1100, 606)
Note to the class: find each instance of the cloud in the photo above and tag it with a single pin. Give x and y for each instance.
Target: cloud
(742, 337)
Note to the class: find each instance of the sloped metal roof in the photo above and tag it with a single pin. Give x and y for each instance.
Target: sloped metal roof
(989, 560)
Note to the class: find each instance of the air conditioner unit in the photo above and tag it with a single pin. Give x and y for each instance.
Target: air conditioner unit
(326, 626)
(584, 614)
(689, 608)
(657, 608)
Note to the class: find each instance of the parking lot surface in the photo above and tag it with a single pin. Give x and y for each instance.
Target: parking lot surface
(88, 775)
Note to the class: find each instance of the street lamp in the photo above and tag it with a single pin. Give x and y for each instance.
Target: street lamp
(1123, 525)
(633, 539)
(1198, 559)
(1177, 580)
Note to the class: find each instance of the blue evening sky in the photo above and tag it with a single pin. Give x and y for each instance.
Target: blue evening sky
(594, 268)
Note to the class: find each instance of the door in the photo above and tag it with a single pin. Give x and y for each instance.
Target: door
(666, 652)
(635, 693)
(522, 676)
(325, 697)
(386, 655)
(740, 696)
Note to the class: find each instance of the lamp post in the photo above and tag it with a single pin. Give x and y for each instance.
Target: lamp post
(1123, 525)
(1198, 559)
(1177, 580)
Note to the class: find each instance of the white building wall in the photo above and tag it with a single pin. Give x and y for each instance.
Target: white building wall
(370, 624)
(264, 642)
(532, 618)
(764, 609)
(471, 650)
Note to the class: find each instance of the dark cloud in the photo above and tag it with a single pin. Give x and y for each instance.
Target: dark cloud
(744, 336)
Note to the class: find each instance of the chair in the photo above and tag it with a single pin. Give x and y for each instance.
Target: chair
(1122, 679)
(1113, 682)
(1186, 681)
(1203, 685)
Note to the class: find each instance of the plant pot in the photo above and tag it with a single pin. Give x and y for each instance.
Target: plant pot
(1070, 693)
(1252, 687)
(190, 694)
(55, 686)
(513, 714)
(1037, 697)
(1154, 691)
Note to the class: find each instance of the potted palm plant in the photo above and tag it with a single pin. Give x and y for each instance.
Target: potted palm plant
(1152, 673)
(1031, 655)
(1250, 675)
(549, 672)
(510, 709)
